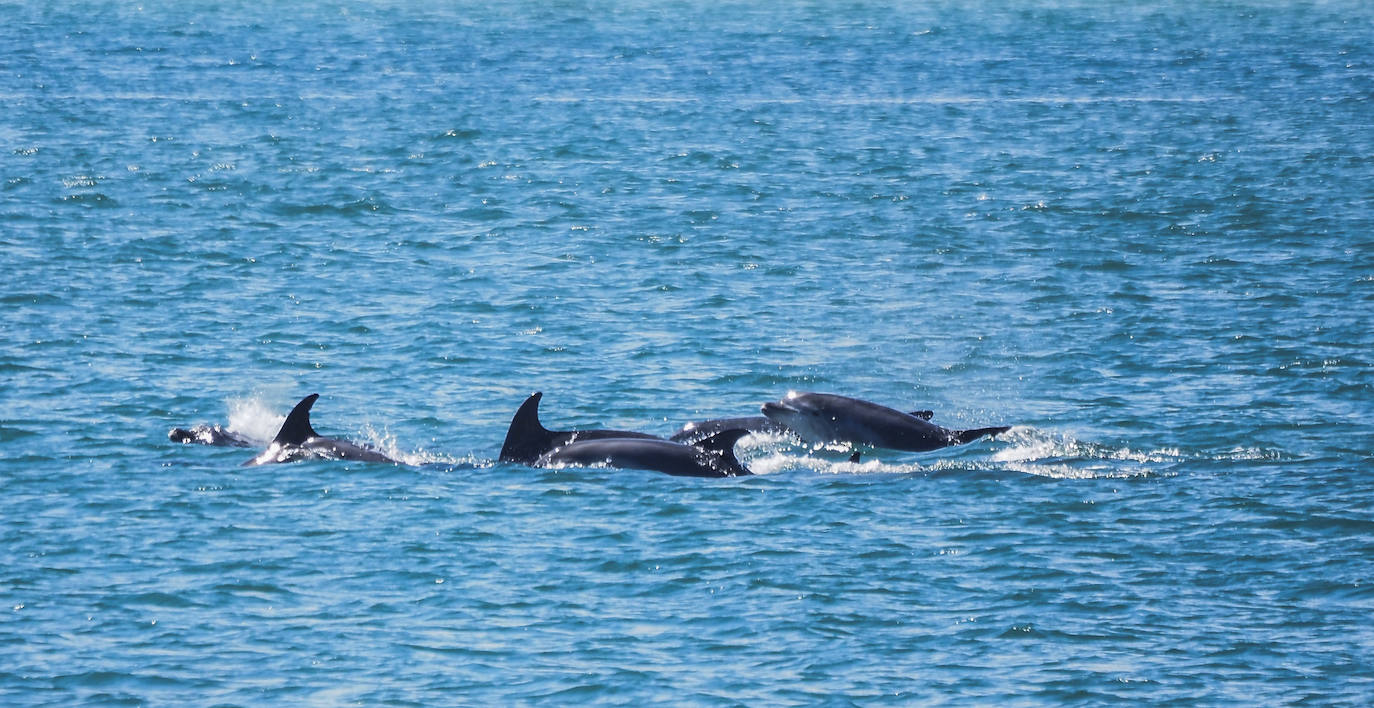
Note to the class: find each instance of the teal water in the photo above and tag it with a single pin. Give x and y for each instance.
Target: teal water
(1141, 235)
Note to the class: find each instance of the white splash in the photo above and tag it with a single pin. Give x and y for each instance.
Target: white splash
(254, 419)
(383, 441)
(1046, 454)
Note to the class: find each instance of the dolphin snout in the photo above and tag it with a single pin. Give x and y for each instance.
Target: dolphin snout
(776, 407)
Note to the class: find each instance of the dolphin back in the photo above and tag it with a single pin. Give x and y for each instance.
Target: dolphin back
(528, 440)
(697, 431)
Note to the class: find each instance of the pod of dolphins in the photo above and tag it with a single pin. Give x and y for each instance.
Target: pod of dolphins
(700, 449)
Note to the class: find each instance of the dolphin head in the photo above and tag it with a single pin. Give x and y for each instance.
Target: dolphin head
(182, 435)
(803, 413)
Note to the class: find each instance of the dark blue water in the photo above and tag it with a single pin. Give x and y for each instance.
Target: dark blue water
(1142, 235)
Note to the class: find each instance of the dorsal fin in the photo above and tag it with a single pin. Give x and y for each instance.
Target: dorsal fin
(296, 429)
(527, 438)
(854, 459)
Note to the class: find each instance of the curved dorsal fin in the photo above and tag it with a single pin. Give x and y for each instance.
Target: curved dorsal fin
(296, 429)
(527, 438)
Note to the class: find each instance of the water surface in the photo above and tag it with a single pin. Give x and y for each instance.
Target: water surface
(1140, 235)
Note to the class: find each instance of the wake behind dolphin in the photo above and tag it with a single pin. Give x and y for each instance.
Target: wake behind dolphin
(823, 418)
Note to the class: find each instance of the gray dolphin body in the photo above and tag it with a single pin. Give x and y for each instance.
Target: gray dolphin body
(700, 430)
(205, 434)
(712, 457)
(823, 417)
(527, 440)
(296, 440)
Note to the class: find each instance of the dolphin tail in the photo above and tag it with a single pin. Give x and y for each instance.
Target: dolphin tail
(296, 429)
(723, 445)
(723, 442)
(968, 436)
(527, 438)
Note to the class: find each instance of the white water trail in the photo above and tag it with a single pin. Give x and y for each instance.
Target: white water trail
(1021, 450)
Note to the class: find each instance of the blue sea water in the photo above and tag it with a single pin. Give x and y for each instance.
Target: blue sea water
(1141, 233)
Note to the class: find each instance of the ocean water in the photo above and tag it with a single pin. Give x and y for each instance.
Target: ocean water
(1140, 233)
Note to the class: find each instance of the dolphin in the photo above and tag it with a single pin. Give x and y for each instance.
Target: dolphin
(712, 457)
(205, 434)
(700, 430)
(296, 440)
(527, 440)
(823, 417)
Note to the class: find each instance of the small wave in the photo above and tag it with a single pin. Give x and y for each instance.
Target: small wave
(484, 214)
(461, 134)
(345, 207)
(90, 199)
(897, 100)
(10, 433)
(1243, 454)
